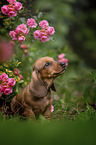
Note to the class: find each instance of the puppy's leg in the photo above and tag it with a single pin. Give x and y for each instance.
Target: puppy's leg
(47, 113)
(28, 113)
(15, 106)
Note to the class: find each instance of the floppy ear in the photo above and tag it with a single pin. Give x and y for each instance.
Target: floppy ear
(53, 87)
(37, 86)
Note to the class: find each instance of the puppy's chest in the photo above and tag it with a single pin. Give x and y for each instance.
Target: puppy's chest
(40, 104)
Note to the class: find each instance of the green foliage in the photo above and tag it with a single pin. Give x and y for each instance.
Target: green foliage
(93, 75)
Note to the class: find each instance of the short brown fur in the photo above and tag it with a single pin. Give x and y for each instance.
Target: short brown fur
(36, 98)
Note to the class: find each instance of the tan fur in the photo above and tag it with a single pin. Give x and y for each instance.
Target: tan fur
(36, 98)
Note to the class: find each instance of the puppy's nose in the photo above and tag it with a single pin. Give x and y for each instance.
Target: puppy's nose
(63, 64)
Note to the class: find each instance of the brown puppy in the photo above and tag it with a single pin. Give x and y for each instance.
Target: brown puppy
(36, 98)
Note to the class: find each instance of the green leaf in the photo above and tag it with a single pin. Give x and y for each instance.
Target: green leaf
(21, 81)
(17, 89)
(23, 20)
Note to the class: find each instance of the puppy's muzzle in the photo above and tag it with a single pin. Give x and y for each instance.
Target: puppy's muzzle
(63, 65)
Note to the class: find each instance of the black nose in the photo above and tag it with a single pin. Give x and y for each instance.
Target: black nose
(63, 64)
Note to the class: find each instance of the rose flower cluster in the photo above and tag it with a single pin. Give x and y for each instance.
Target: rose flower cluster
(21, 31)
(44, 34)
(19, 34)
(11, 9)
(6, 84)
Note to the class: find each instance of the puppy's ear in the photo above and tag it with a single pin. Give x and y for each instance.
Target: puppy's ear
(37, 86)
(53, 87)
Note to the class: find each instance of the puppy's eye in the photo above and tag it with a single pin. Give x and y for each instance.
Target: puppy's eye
(47, 64)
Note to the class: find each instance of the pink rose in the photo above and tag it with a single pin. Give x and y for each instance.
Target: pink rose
(4, 87)
(44, 38)
(43, 32)
(37, 34)
(18, 6)
(22, 46)
(3, 77)
(11, 82)
(31, 23)
(26, 32)
(50, 31)
(61, 55)
(11, 8)
(7, 91)
(12, 13)
(11, 1)
(52, 108)
(21, 39)
(16, 71)
(22, 29)
(4, 9)
(21, 77)
(13, 35)
(43, 24)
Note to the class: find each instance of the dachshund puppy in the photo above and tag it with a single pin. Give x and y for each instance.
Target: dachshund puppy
(36, 98)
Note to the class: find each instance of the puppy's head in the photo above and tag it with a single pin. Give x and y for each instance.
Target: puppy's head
(48, 67)
(45, 70)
